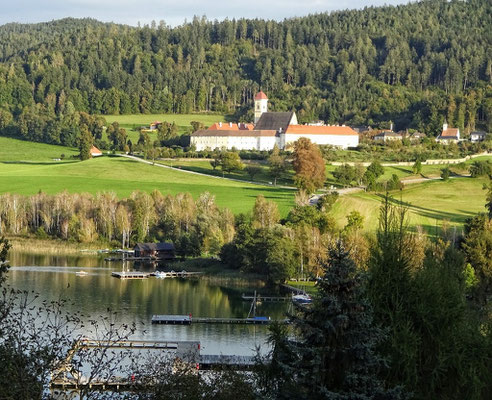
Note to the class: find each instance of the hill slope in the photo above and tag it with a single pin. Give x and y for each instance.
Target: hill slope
(412, 64)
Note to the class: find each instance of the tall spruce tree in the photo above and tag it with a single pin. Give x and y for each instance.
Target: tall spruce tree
(333, 355)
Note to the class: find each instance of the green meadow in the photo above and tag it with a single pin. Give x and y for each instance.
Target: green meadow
(123, 176)
(21, 150)
(429, 204)
(134, 121)
(27, 168)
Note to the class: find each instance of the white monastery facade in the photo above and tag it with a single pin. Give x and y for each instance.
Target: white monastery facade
(270, 129)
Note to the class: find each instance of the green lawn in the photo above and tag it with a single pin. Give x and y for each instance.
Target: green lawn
(429, 203)
(124, 176)
(21, 150)
(204, 167)
(131, 121)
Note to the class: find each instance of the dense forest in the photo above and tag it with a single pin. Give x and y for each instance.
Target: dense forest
(413, 65)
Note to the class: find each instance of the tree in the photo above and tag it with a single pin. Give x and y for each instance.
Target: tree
(276, 163)
(355, 221)
(85, 144)
(253, 170)
(334, 352)
(308, 165)
(488, 198)
(417, 167)
(230, 161)
(344, 174)
(445, 173)
(376, 169)
(265, 213)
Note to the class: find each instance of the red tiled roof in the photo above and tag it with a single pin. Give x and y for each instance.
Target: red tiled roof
(320, 130)
(261, 96)
(226, 126)
(95, 150)
(235, 132)
(450, 132)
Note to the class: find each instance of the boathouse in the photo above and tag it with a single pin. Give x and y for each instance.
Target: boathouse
(163, 251)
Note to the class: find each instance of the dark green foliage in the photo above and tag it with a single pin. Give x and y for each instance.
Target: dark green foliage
(394, 183)
(445, 173)
(333, 355)
(383, 71)
(376, 169)
(435, 345)
(477, 246)
(481, 168)
(312, 216)
(267, 251)
(326, 202)
(253, 170)
(345, 175)
(85, 144)
(417, 167)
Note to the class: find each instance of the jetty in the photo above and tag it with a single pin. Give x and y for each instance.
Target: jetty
(67, 377)
(130, 274)
(260, 298)
(189, 320)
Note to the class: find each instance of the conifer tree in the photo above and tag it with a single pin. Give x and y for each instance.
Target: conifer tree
(333, 355)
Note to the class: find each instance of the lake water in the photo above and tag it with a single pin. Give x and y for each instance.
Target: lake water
(135, 301)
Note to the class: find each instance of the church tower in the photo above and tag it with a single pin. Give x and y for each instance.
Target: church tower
(261, 105)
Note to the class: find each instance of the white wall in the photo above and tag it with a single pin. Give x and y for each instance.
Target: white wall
(342, 141)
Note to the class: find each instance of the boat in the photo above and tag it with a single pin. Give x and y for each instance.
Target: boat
(160, 274)
(81, 273)
(302, 299)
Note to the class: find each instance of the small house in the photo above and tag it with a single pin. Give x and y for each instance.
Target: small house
(477, 136)
(162, 251)
(154, 125)
(417, 136)
(95, 152)
(449, 135)
(387, 136)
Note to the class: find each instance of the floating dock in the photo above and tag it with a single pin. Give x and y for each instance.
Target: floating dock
(175, 274)
(130, 275)
(259, 298)
(188, 320)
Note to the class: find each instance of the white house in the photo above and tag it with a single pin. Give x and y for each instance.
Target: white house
(449, 135)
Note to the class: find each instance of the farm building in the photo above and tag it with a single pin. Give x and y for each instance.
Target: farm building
(449, 135)
(387, 136)
(270, 129)
(163, 251)
(95, 152)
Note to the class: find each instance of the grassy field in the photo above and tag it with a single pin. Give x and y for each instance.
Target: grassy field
(204, 167)
(129, 122)
(124, 176)
(21, 150)
(428, 203)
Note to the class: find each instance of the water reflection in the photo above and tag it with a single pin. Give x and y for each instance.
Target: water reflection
(54, 277)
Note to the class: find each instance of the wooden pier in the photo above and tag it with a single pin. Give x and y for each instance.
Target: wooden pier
(188, 320)
(259, 298)
(130, 274)
(66, 377)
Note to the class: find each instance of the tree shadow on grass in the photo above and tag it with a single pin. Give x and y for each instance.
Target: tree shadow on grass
(429, 212)
(40, 162)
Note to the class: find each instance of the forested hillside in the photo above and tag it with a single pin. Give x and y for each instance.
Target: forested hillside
(413, 64)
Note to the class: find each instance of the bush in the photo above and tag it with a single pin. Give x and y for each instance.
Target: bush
(481, 168)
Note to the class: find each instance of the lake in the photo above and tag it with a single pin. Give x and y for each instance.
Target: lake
(135, 301)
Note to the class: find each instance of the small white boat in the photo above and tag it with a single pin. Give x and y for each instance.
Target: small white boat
(160, 274)
(81, 273)
(302, 299)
